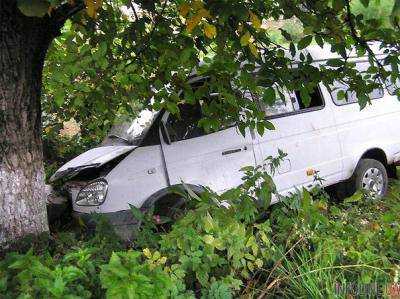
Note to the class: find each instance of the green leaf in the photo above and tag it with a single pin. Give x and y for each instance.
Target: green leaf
(33, 8)
(260, 128)
(395, 15)
(286, 35)
(137, 214)
(319, 40)
(249, 256)
(259, 263)
(101, 51)
(334, 62)
(3, 284)
(305, 42)
(292, 49)
(173, 108)
(354, 198)
(208, 239)
(269, 96)
(244, 40)
(365, 3)
(269, 125)
(338, 4)
(265, 194)
(341, 95)
(59, 97)
(305, 96)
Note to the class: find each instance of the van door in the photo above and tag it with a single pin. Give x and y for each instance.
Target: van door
(308, 136)
(197, 158)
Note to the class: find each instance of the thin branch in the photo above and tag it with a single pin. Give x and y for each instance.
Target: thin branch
(155, 21)
(136, 16)
(134, 10)
(66, 11)
(357, 38)
(145, 44)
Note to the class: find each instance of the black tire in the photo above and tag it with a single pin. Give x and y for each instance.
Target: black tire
(173, 207)
(341, 190)
(392, 171)
(378, 182)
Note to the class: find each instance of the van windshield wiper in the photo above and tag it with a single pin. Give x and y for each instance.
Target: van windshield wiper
(114, 136)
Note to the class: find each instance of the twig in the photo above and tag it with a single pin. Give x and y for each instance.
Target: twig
(358, 39)
(66, 11)
(149, 36)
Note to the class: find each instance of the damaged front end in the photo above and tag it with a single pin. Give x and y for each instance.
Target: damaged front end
(92, 160)
(85, 181)
(85, 174)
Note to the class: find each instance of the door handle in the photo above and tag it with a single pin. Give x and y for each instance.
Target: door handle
(232, 151)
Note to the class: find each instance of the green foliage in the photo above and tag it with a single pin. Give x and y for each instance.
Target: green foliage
(377, 11)
(110, 61)
(33, 276)
(225, 246)
(127, 275)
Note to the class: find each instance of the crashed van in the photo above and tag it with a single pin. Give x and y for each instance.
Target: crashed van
(346, 146)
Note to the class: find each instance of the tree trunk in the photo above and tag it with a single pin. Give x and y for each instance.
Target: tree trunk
(23, 45)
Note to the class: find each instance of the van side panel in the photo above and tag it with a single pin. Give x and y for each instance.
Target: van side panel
(376, 126)
(134, 179)
(311, 143)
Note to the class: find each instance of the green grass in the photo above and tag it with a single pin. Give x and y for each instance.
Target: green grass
(359, 244)
(304, 247)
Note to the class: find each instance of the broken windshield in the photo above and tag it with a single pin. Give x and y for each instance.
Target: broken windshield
(131, 132)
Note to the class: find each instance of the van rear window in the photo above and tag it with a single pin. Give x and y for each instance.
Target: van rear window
(351, 96)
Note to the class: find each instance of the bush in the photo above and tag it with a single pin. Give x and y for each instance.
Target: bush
(225, 246)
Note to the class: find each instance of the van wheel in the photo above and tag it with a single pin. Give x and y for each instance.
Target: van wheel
(173, 208)
(371, 176)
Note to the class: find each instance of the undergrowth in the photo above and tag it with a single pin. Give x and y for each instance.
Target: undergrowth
(226, 246)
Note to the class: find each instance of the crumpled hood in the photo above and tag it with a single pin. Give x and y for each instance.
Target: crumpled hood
(95, 157)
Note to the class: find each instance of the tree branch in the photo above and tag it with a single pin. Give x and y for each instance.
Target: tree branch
(63, 13)
(145, 44)
(357, 38)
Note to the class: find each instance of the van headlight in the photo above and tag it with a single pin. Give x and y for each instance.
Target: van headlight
(93, 194)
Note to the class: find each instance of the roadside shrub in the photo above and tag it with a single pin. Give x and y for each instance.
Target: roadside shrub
(127, 275)
(225, 246)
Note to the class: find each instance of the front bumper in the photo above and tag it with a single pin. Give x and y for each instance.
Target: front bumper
(122, 222)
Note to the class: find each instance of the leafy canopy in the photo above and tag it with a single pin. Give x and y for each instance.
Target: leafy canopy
(114, 56)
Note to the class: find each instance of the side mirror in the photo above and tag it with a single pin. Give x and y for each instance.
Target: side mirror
(164, 134)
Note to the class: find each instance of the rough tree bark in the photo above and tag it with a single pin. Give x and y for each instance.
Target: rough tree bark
(23, 45)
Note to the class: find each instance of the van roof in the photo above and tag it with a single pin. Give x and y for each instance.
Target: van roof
(325, 53)
(318, 54)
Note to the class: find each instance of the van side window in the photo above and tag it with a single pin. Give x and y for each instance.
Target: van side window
(282, 105)
(185, 126)
(377, 93)
(316, 99)
(290, 103)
